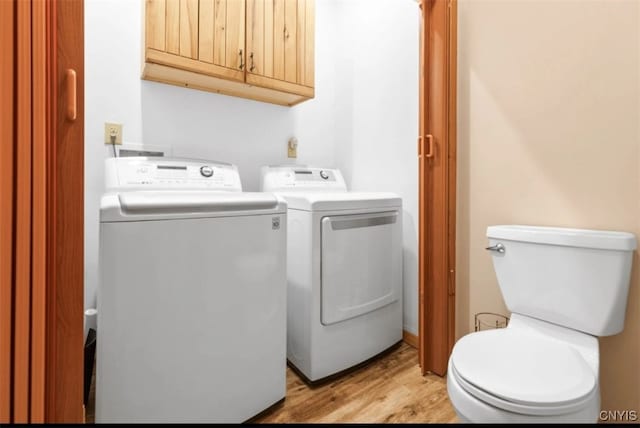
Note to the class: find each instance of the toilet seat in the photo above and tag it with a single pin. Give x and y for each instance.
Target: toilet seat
(523, 373)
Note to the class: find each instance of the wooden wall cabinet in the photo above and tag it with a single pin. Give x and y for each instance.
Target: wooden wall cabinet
(257, 49)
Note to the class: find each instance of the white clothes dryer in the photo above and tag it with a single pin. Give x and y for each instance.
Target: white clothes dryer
(192, 294)
(344, 270)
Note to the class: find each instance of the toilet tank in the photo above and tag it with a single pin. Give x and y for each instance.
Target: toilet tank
(571, 277)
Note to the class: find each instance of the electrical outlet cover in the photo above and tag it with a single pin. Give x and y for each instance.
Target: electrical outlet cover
(111, 129)
(292, 147)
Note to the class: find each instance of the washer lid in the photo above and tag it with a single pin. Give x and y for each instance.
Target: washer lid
(524, 369)
(336, 201)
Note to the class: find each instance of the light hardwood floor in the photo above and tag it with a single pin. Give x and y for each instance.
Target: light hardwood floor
(389, 389)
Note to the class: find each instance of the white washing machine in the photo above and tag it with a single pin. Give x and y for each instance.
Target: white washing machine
(192, 294)
(344, 270)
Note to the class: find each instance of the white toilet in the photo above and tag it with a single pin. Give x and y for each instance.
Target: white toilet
(564, 287)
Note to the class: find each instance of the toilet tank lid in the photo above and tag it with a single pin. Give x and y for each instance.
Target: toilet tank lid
(584, 238)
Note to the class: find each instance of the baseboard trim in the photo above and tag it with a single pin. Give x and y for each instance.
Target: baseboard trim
(410, 339)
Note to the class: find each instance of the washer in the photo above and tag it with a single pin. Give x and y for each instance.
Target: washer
(192, 294)
(344, 270)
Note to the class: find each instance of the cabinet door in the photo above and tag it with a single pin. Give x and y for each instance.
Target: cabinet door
(200, 36)
(180, 26)
(222, 32)
(280, 45)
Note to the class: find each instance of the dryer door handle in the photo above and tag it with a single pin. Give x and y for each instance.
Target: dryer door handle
(366, 220)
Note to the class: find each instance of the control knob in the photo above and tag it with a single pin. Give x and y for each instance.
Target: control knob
(206, 171)
(324, 175)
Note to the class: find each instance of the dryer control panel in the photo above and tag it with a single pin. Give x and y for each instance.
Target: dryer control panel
(287, 178)
(150, 173)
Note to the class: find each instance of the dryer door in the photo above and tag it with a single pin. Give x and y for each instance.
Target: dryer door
(361, 264)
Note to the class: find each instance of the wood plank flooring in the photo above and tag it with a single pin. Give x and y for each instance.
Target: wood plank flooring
(389, 389)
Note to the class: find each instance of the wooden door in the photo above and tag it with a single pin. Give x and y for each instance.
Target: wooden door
(64, 209)
(200, 36)
(41, 212)
(437, 184)
(280, 45)
(7, 180)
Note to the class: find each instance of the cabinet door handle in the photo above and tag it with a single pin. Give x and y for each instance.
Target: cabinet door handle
(252, 65)
(429, 152)
(241, 66)
(71, 94)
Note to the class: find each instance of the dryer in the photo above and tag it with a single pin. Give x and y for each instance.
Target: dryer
(344, 269)
(192, 294)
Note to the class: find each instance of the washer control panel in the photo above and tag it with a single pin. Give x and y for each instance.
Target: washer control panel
(151, 173)
(295, 177)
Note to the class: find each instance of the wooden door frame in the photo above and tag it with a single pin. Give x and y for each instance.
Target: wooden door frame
(437, 184)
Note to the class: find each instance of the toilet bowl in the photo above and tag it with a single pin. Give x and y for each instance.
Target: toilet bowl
(532, 372)
(564, 287)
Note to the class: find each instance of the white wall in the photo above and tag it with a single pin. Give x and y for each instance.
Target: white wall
(548, 109)
(377, 65)
(251, 134)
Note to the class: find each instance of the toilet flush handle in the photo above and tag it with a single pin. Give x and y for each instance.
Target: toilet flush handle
(498, 247)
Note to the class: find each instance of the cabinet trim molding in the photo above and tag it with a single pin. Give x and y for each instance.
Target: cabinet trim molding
(281, 85)
(170, 60)
(188, 79)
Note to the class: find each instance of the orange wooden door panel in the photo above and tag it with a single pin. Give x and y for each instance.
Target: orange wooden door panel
(437, 185)
(41, 212)
(65, 208)
(40, 19)
(22, 240)
(7, 113)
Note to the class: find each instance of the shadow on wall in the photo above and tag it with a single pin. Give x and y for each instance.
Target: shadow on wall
(344, 65)
(229, 129)
(463, 192)
(548, 135)
(410, 292)
(547, 102)
(376, 112)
